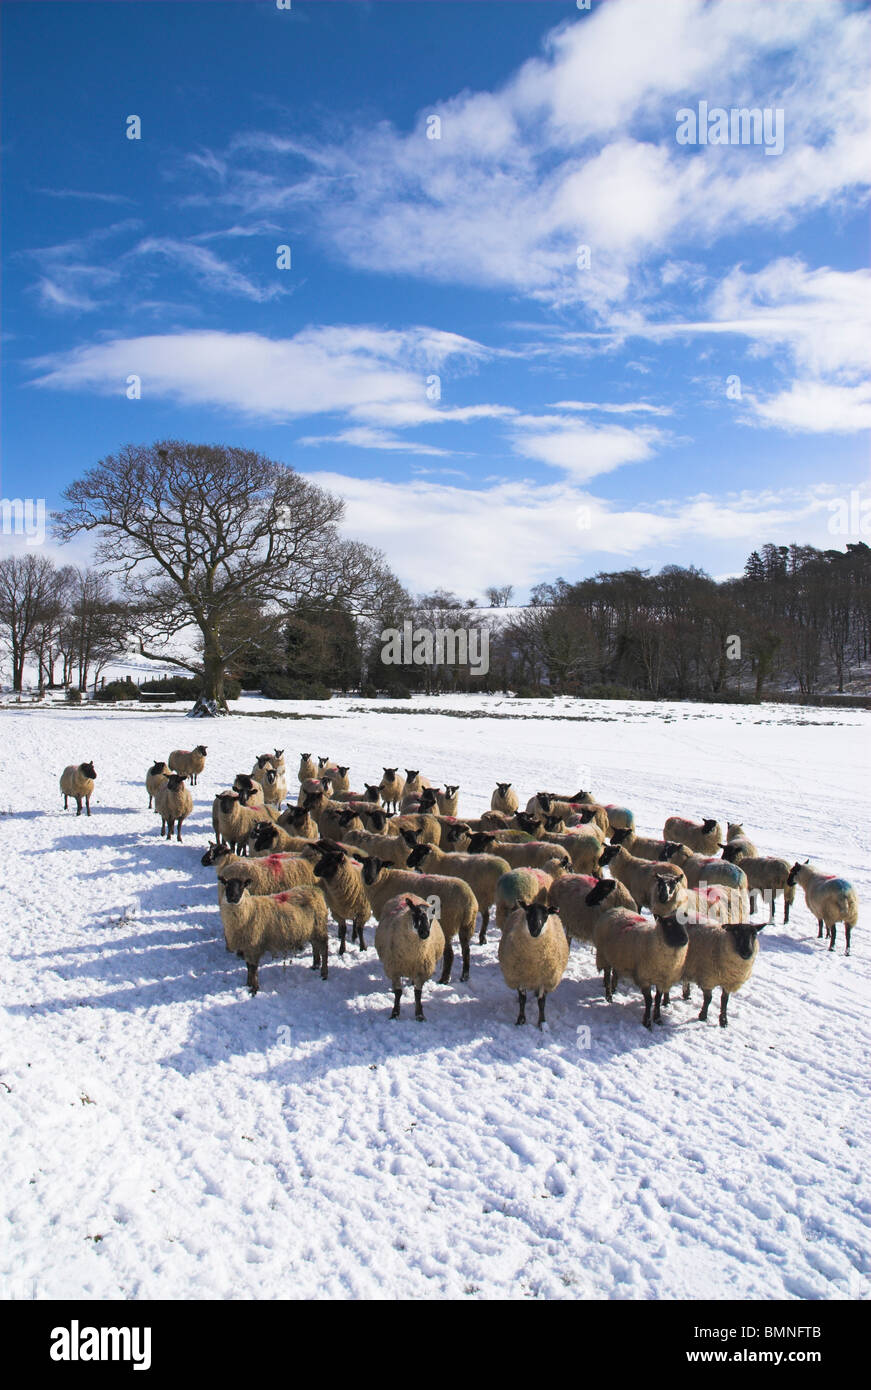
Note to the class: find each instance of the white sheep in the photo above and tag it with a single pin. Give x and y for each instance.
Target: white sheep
(504, 798)
(173, 803)
(155, 777)
(77, 781)
(409, 941)
(276, 925)
(189, 763)
(457, 911)
(829, 898)
(391, 788)
(533, 954)
(702, 836)
(651, 951)
(719, 956)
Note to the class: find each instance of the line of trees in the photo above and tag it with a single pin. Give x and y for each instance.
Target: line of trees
(67, 621)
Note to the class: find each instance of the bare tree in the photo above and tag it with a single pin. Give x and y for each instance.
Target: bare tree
(199, 532)
(26, 588)
(499, 597)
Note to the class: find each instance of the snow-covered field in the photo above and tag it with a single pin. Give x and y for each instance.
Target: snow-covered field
(164, 1135)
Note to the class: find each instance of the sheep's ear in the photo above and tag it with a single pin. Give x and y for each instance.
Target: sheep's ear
(248, 882)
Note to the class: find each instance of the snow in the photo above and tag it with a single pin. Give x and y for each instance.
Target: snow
(167, 1136)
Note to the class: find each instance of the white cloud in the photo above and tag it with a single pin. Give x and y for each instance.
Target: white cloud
(818, 408)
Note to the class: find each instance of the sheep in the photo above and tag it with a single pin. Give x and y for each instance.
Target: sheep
(252, 793)
(308, 768)
(642, 847)
(651, 952)
(409, 941)
(262, 763)
(521, 886)
(766, 877)
(713, 904)
(264, 876)
(392, 849)
(391, 788)
(702, 836)
(550, 804)
(274, 787)
(155, 777)
(297, 821)
(345, 893)
(264, 838)
(702, 870)
(448, 800)
(426, 829)
(233, 819)
(580, 899)
(457, 905)
(274, 925)
(620, 818)
(374, 817)
(584, 848)
(481, 871)
(325, 813)
(414, 783)
(504, 798)
(173, 803)
(590, 815)
(78, 782)
(659, 886)
(721, 956)
(737, 840)
(372, 793)
(189, 764)
(533, 954)
(829, 898)
(340, 780)
(533, 854)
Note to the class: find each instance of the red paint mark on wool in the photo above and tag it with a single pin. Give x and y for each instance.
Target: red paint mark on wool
(282, 897)
(274, 862)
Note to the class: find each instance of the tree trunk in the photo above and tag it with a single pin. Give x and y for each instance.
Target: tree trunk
(213, 682)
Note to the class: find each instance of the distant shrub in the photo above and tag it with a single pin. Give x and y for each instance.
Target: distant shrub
(74, 696)
(276, 686)
(118, 690)
(188, 686)
(369, 692)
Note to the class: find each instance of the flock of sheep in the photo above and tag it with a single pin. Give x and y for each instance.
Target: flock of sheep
(398, 851)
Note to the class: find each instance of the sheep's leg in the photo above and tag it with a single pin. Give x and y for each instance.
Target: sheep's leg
(465, 938)
(724, 1001)
(397, 995)
(820, 928)
(541, 1018)
(666, 999)
(648, 1005)
(178, 833)
(66, 800)
(772, 901)
(325, 956)
(343, 931)
(521, 999)
(78, 805)
(788, 896)
(606, 979)
(88, 804)
(834, 931)
(447, 964)
(657, 1003)
(847, 930)
(485, 918)
(686, 991)
(253, 981)
(706, 999)
(149, 803)
(360, 935)
(418, 1005)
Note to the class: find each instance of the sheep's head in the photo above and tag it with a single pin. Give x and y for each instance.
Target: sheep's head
(536, 916)
(526, 822)
(420, 918)
(215, 853)
(263, 836)
(243, 781)
(202, 749)
(175, 781)
(586, 813)
(410, 837)
(744, 938)
(305, 757)
(600, 892)
(667, 888)
(390, 773)
(552, 824)
(673, 930)
(608, 853)
(329, 863)
(371, 869)
(411, 774)
(708, 825)
(481, 841)
(234, 887)
(371, 793)
(157, 766)
(88, 770)
(226, 801)
(322, 762)
(417, 856)
(263, 759)
(455, 833)
(502, 788)
(378, 821)
(792, 876)
(452, 790)
(731, 853)
(279, 754)
(342, 771)
(297, 815)
(619, 836)
(428, 799)
(545, 801)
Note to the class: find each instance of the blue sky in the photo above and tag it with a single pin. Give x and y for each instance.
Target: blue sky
(581, 418)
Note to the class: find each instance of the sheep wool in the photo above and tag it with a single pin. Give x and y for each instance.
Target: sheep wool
(409, 941)
(533, 954)
(77, 781)
(829, 898)
(580, 900)
(721, 956)
(651, 952)
(702, 836)
(173, 803)
(155, 777)
(188, 763)
(277, 925)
